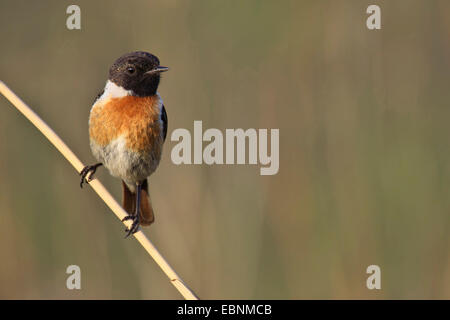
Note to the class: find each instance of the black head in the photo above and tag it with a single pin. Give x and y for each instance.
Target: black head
(137, 71)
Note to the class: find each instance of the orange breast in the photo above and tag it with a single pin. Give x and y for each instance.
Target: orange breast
(136, 118)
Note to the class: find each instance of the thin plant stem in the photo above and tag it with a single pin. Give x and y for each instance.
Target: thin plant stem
(178, 283)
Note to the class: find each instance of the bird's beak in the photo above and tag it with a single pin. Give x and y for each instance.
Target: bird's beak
(162, 69)
(157, 69)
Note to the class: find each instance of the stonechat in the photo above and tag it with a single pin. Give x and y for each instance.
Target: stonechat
(127, 130)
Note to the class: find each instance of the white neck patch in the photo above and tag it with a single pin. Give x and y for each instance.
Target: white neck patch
(112, 90)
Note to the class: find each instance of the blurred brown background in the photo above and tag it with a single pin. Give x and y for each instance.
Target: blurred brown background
(364, 150)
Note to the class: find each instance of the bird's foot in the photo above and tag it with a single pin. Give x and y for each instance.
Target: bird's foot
(88, 170)
(134, 226)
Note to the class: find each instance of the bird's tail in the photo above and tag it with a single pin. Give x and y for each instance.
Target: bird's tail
(129, 203)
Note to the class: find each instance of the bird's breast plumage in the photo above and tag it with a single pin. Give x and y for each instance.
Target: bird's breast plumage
(138, 119)
(126, 135)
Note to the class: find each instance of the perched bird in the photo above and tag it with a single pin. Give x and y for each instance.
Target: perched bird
(127, 130)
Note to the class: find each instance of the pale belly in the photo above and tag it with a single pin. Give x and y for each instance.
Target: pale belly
(130, 166)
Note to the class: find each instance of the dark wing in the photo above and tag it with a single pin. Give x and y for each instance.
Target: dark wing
(99, 95)
(164, 121)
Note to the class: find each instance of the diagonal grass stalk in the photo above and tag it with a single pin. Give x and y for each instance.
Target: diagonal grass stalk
(184, 290)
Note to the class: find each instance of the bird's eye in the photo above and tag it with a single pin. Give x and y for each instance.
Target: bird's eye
(131, 70)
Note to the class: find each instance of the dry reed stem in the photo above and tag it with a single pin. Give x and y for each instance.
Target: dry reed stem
(187, 293)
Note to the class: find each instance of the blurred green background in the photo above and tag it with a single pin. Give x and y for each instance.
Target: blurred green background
(364, 150)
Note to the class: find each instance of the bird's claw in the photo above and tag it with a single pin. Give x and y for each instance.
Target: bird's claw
(134, 226)
(88, 170)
